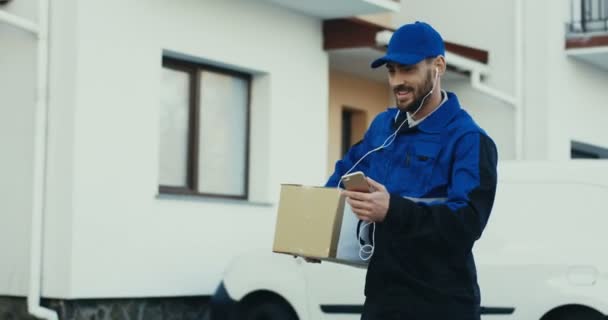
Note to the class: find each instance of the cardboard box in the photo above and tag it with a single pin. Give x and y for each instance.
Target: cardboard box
(316, 222)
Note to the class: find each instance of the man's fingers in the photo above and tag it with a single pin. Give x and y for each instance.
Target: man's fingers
(375, 185)
(356, 204)
(361, 196)
(362, 213)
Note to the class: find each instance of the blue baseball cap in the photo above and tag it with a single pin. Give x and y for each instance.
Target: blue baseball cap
(412, 43)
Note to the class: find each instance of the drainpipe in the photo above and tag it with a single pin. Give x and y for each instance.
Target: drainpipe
(476, 83)
(40, 153)
(40, 136)
(519, 80)
(18, 22)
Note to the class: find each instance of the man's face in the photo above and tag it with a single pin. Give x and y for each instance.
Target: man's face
(410, 83)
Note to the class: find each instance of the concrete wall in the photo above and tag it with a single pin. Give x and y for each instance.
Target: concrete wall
(107, 231)
(17, 100)
(129, 241)
(18, 67)
(58, 234)
(488, 26)
(495, 117)
(575, 91)
(563, 98)
(383, 19)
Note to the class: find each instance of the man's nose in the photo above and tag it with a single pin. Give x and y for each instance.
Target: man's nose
(396, 80)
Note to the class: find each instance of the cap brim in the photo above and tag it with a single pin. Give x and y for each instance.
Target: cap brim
(404, 59)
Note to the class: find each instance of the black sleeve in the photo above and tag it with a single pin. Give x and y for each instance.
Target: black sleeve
(460, 220)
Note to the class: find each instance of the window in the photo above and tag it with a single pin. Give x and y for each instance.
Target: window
(580, 150)
(204, 130)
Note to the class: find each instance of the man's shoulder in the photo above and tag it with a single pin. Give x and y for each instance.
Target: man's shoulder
(389, 113)
(464, 123)
(464, 126)
(386, 116)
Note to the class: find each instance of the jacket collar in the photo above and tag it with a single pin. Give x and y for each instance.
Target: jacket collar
(436, 121)
(439, 119)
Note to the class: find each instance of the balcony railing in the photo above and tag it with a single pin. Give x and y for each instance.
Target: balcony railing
(588, 16)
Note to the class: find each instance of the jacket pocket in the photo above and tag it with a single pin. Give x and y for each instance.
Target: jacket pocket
(421, 161)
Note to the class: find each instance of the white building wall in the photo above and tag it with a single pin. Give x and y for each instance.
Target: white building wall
(58, 215)
(127, 240)
(486, 25)
(107, 231)
(536, 71)
(576, 91)
(17, 88)
(18, 72)
(497, 118)
(563, 98)
(583, 101)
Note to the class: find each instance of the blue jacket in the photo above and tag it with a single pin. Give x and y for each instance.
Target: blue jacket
(441, 175)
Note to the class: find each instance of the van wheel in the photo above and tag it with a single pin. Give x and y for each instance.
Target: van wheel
(269, 311)
(577, 314)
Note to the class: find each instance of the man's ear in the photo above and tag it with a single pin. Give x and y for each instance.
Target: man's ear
(440, 65)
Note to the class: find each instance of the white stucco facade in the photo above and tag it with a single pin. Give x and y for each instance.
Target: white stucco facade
(108, 232)
(562, 97)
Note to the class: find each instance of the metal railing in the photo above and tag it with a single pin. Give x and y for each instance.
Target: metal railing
(588, 16)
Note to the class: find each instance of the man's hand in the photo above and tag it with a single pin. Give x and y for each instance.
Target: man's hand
(371, 206)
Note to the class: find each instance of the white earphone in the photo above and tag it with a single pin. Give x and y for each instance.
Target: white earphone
(435, 81)
(428, 94)
(366, 251)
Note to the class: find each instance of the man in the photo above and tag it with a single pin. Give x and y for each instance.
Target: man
(433, 176)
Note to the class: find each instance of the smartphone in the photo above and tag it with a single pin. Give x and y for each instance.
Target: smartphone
(356, 182)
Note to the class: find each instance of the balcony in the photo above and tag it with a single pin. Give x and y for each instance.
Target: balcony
(588, 16)
(587, 32)
(330, 9)
(354, 43)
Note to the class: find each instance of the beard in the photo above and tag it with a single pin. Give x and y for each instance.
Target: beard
(419, 94)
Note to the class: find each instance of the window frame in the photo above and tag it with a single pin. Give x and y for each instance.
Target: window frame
(194, 69)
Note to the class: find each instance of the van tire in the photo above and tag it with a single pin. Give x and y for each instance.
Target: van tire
(269, 311)
(577, 314)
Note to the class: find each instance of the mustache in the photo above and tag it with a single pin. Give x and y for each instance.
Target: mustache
(402, 87)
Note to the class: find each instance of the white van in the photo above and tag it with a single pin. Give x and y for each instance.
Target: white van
(543, 255)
